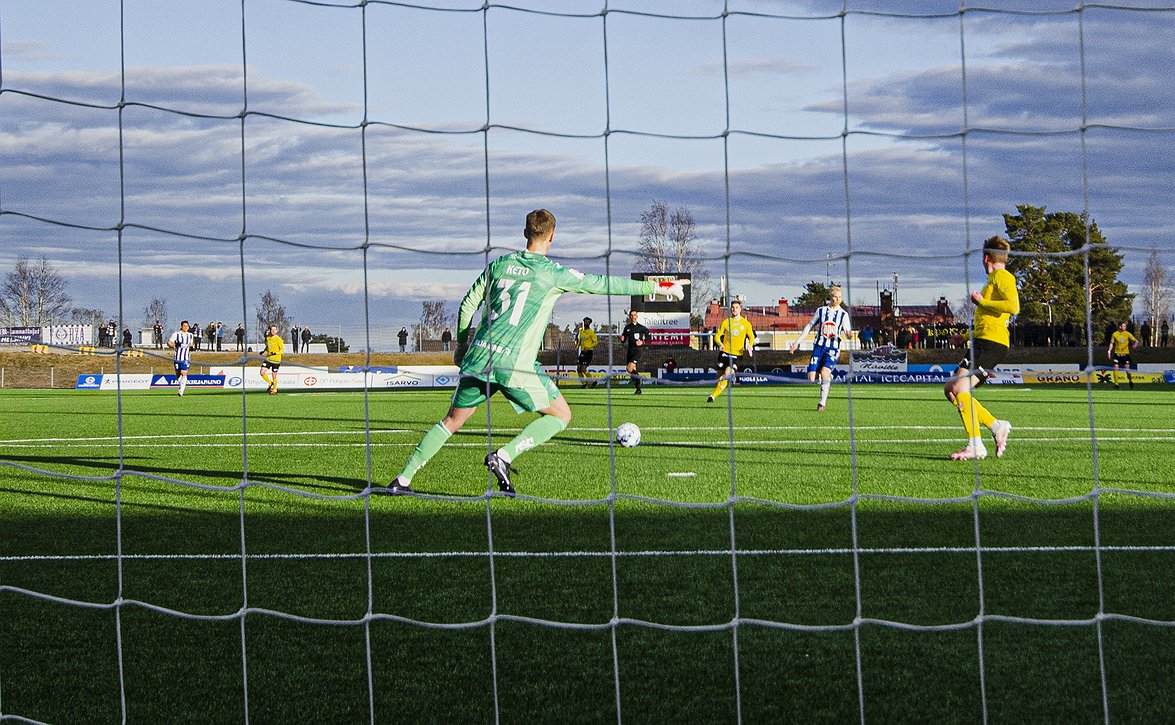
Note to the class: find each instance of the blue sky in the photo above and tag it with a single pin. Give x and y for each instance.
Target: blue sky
(592, 110)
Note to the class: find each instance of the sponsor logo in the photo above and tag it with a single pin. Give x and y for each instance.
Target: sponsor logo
(310, 381)
(884, 359)
(517, 271)
(194, 381)
(1055, 377)
(442, 379)
(871, 377)
(89, 382)
(234, 382)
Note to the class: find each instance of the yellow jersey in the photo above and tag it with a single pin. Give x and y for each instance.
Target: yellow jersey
(736, 336)
(1121, 341)
(274, 347)
(1000, 300)
(588, 339)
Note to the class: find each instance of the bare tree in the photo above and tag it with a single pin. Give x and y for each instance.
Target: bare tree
(271, 312)
(669, 243)
(434, 318)
(155, 311)
(34, 295)
(965, 312)
(87, 316)
(1156, 292)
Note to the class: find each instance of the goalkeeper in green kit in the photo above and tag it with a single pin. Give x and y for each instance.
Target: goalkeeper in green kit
(518, 291)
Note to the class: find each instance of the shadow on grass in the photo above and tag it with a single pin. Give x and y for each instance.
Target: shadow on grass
(560, 625)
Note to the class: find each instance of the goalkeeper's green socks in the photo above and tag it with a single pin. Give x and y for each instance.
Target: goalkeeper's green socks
(537, 432)
(425, 450)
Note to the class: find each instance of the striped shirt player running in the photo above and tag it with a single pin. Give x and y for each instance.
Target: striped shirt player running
(831, 323)
(517, 292)
(181, 342)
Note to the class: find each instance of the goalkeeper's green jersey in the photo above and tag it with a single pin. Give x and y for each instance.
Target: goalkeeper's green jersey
(519, 290)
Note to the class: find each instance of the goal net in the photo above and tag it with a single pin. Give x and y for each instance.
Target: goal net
(233, 556)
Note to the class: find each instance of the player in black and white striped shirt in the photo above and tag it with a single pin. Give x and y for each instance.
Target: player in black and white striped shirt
(831, 323)
(181, 342)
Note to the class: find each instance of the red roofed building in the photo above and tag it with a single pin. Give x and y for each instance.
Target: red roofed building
(784, 318)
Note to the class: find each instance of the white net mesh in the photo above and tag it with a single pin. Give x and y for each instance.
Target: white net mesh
(357, 155)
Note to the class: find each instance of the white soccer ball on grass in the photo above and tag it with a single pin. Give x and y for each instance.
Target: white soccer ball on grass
(628, 435)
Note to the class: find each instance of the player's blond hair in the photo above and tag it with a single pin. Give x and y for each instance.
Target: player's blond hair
(539, 225)
(996, 248)
(835, 289)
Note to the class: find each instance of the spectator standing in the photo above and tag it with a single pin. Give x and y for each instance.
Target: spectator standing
(196, 332)
(447, 340)
(219, 336)
(294, 339)
(240, 335)
(1163, 333)
(306, 338)
(157, 335)
(403, 335)
(1146, 334)
(127, 342)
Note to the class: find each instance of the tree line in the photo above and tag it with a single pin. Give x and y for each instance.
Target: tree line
(1062, 262)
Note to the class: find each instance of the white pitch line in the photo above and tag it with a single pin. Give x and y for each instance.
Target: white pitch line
(409, 431)
(714, 444)
(592, 554)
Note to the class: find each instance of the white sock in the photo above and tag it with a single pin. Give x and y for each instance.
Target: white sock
(976, 444)
(824, 386)
(183, 383)
(501, 453)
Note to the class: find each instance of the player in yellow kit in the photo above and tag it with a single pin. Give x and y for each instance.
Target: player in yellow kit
(274, 347)
(587, 340)
(736, 340)
(994, 305)
(1121, 343)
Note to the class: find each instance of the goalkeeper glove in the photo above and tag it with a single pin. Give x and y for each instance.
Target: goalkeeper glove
(674, 290)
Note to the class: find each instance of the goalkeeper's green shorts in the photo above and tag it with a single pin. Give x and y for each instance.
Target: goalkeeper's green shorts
(527, 391)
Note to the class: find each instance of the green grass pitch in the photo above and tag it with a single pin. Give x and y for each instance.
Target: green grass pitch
(854, 584)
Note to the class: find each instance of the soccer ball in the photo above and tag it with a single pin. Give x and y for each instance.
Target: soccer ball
(628, 435)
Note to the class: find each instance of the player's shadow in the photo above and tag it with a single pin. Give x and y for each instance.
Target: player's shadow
(295, 482)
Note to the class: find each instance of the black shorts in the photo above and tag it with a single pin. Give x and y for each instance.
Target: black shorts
(726, 360)
(633, 355)
(1124, 361)
(988, 355)
(585, 357)
(271, 365)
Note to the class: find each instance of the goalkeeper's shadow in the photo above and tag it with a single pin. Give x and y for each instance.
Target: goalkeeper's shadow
(110, 466)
